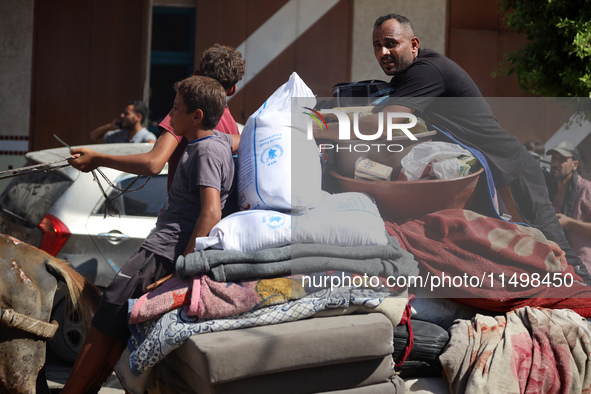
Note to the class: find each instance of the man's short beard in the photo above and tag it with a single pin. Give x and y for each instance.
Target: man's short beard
(128, 126)
(559, 176)
(401, 71)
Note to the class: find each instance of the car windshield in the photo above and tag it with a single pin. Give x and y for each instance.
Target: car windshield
(146, 201)
(28, 197)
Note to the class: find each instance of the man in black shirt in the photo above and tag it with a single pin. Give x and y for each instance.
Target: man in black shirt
(437, 89)
(452, 101)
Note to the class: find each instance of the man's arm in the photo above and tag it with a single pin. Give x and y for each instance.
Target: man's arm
(97, 134)
(149, 163)
(574, 225)
(211, 214)
(367, 124)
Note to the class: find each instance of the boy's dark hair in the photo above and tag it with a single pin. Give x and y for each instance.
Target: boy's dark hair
(536, 147)
(403, 20)
(222, 63)
(140, 108)
(206, 94)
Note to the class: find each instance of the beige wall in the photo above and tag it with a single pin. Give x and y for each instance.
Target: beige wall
(428, 18)
(16, 41)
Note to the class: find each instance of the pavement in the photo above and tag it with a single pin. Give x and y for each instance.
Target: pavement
(57, 372)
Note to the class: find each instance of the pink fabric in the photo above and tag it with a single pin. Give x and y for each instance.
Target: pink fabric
(209, 299)
(219, 299)
(227, 125)
(195, 295)
(462, 243)
(172, 294)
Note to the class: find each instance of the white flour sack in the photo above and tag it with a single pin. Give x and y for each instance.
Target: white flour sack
(344, 219)
(249, 231)
(278, 166)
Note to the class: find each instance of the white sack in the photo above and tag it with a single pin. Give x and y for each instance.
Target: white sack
(249, 231)
(278, 166)
(345, 219)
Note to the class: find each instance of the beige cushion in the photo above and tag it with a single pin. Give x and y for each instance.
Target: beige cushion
(395, 386)
(229, 355)
(177, 377)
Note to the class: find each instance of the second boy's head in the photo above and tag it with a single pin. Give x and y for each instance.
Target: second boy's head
(199, 104)
(224, 64)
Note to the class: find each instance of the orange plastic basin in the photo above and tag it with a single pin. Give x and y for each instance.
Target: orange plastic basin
(413, 199)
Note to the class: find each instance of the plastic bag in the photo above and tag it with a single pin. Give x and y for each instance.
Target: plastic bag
(436, 158)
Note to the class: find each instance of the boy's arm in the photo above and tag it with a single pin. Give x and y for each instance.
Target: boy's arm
(211, 213)
(235, 142)
(149, 163)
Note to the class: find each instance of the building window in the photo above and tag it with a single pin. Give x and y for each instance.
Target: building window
(171, 58)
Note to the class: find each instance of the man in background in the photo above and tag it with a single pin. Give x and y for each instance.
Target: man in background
(572, 199)
(128, 127)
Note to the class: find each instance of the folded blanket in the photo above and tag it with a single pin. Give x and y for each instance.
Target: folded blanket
(491, 252)
(203, 297)
(209, 299)
(225, 266)
(530, 350)
(153, 340)
(172, 294)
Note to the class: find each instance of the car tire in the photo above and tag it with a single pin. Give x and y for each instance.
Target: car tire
(69, 337)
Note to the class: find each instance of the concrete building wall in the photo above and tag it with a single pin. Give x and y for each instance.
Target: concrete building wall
(16, 43)
(428, 18)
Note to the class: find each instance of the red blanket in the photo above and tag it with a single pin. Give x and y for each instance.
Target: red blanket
(489, 263)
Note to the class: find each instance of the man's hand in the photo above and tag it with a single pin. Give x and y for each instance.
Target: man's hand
(116, 124)
(563, 220)
(569, 223)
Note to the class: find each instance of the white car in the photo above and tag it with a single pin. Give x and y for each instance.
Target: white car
(62, 212)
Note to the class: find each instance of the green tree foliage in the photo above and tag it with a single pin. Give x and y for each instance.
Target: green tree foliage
(556, 62)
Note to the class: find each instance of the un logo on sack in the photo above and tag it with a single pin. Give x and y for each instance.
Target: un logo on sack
(274, 221)
(270, 155)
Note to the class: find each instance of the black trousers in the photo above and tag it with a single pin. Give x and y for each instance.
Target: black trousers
(141, 270)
